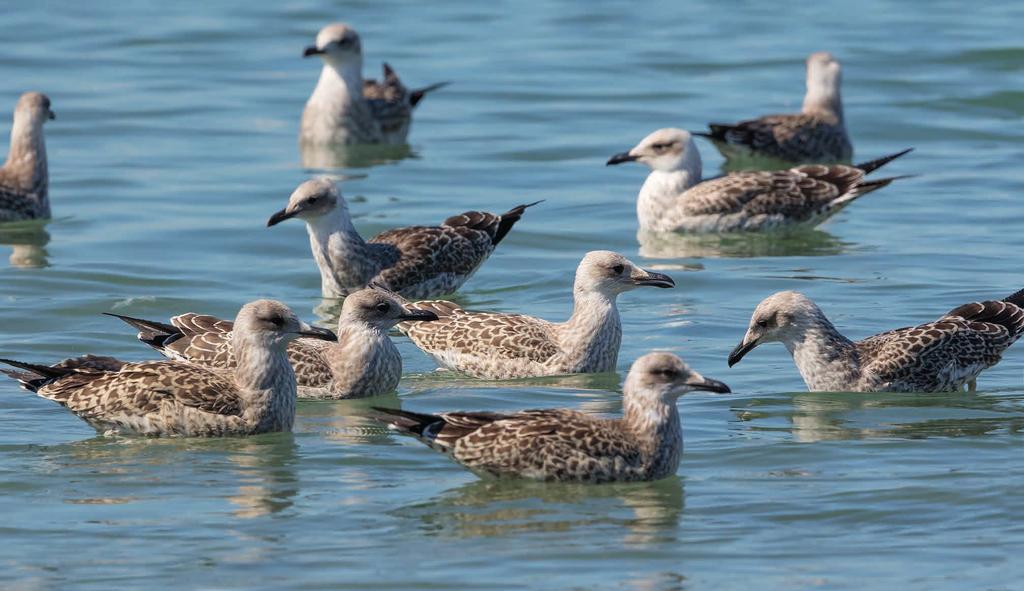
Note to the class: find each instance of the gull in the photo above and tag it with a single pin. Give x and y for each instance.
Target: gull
(674, 198)
(24, 178)
(415, 261)
(344, 109)
(492, 345)
(565, 445)
(938, 356)
(816, 134)
(363, 362)
(175, 398)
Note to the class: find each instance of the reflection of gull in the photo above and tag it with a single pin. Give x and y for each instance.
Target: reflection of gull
(798, 242)
(937, 356)
(266, 475)
(24, 178)
(326, 157)
(28, 242)
(817, 134)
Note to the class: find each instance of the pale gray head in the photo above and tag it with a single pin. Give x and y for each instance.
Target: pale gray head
(273, 323)
(33, 108)
(310, 200)
(781, 317)
(666, 376)
(610, 273)
(379, 308)
(667, 150)
(336, 44)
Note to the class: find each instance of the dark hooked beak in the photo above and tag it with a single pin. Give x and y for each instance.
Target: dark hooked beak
(413, 315)
(312, 50)
(652, 279)
(620, 158)
(52, 115)
(281, 216)
(709, 385)
(741, 350)
(315, 332)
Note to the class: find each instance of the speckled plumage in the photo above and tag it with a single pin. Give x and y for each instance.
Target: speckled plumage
(24, 179)
(345, 109)
(566, 445)
(815, 135)
(175, 398)
(492, 345)
(938, 356)
(363, 362)
(415, 261)
(674, 198)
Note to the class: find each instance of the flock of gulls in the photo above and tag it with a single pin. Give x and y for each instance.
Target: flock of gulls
(242, 377)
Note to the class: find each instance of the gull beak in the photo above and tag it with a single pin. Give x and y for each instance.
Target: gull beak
(741, 349)
(643, 277)
(620, 158)
(414, 315)
(315, 332)
(52, 115)
(708, 385)
(281, 216)
(312, 50)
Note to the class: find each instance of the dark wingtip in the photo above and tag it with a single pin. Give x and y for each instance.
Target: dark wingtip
(417, 95)
(873, 165)
(1017, 299)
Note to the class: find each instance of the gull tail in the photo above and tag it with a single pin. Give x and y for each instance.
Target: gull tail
(34, 376)
(155, 334)
(509, 219)
(873, 165)
(412, 423)
(417, 95)
(716, 131)
(1017, 299)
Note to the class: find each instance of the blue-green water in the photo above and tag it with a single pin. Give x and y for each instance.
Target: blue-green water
(176, 139)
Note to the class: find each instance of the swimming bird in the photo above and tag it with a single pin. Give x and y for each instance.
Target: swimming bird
(817, 134)
(492, 345)
(344, 109)
(565, 445)
(176, 398)
(363, 362)
(24, 179)
(675, 199)
(415, 261)
(938, 356)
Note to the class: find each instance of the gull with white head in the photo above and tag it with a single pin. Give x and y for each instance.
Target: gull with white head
(415, 261)
(938, 356)
(176, 398)
(345, 109)
(569, 446)
(24, 179)
(816, 134)
(674, 198)
(493, 345)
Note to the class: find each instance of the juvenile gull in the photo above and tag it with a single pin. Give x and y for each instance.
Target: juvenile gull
(938, 356)
(816, 134)
(24, 179)
(565, 445)
(363, 362)
(175, 398)
(344, 109)
(415, 261)
(491, 345)
(675, 199)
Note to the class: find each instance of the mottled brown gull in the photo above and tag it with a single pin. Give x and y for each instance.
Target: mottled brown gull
(363, 362)
(415, 261)
(176, 398)
(344, 108)
(24, 180)
(565, 445)
(938, 356)
(674, 198)
(814, 135)
(491, 345)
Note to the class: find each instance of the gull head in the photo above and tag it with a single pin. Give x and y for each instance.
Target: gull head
(667, 150)
(782, 317)
(336, 44)
(666, 376)
(274, 324)
(309, 201)
(610, 273)
(380, 308)
(824, 75)
(34, 108)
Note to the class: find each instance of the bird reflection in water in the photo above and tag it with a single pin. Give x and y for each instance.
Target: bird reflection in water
(28, 242)
(330, 157)
(792, 242)
(265, 469)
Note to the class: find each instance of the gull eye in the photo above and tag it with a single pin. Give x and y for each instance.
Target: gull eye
(618, 269)
(762, 323)
(383, 307)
